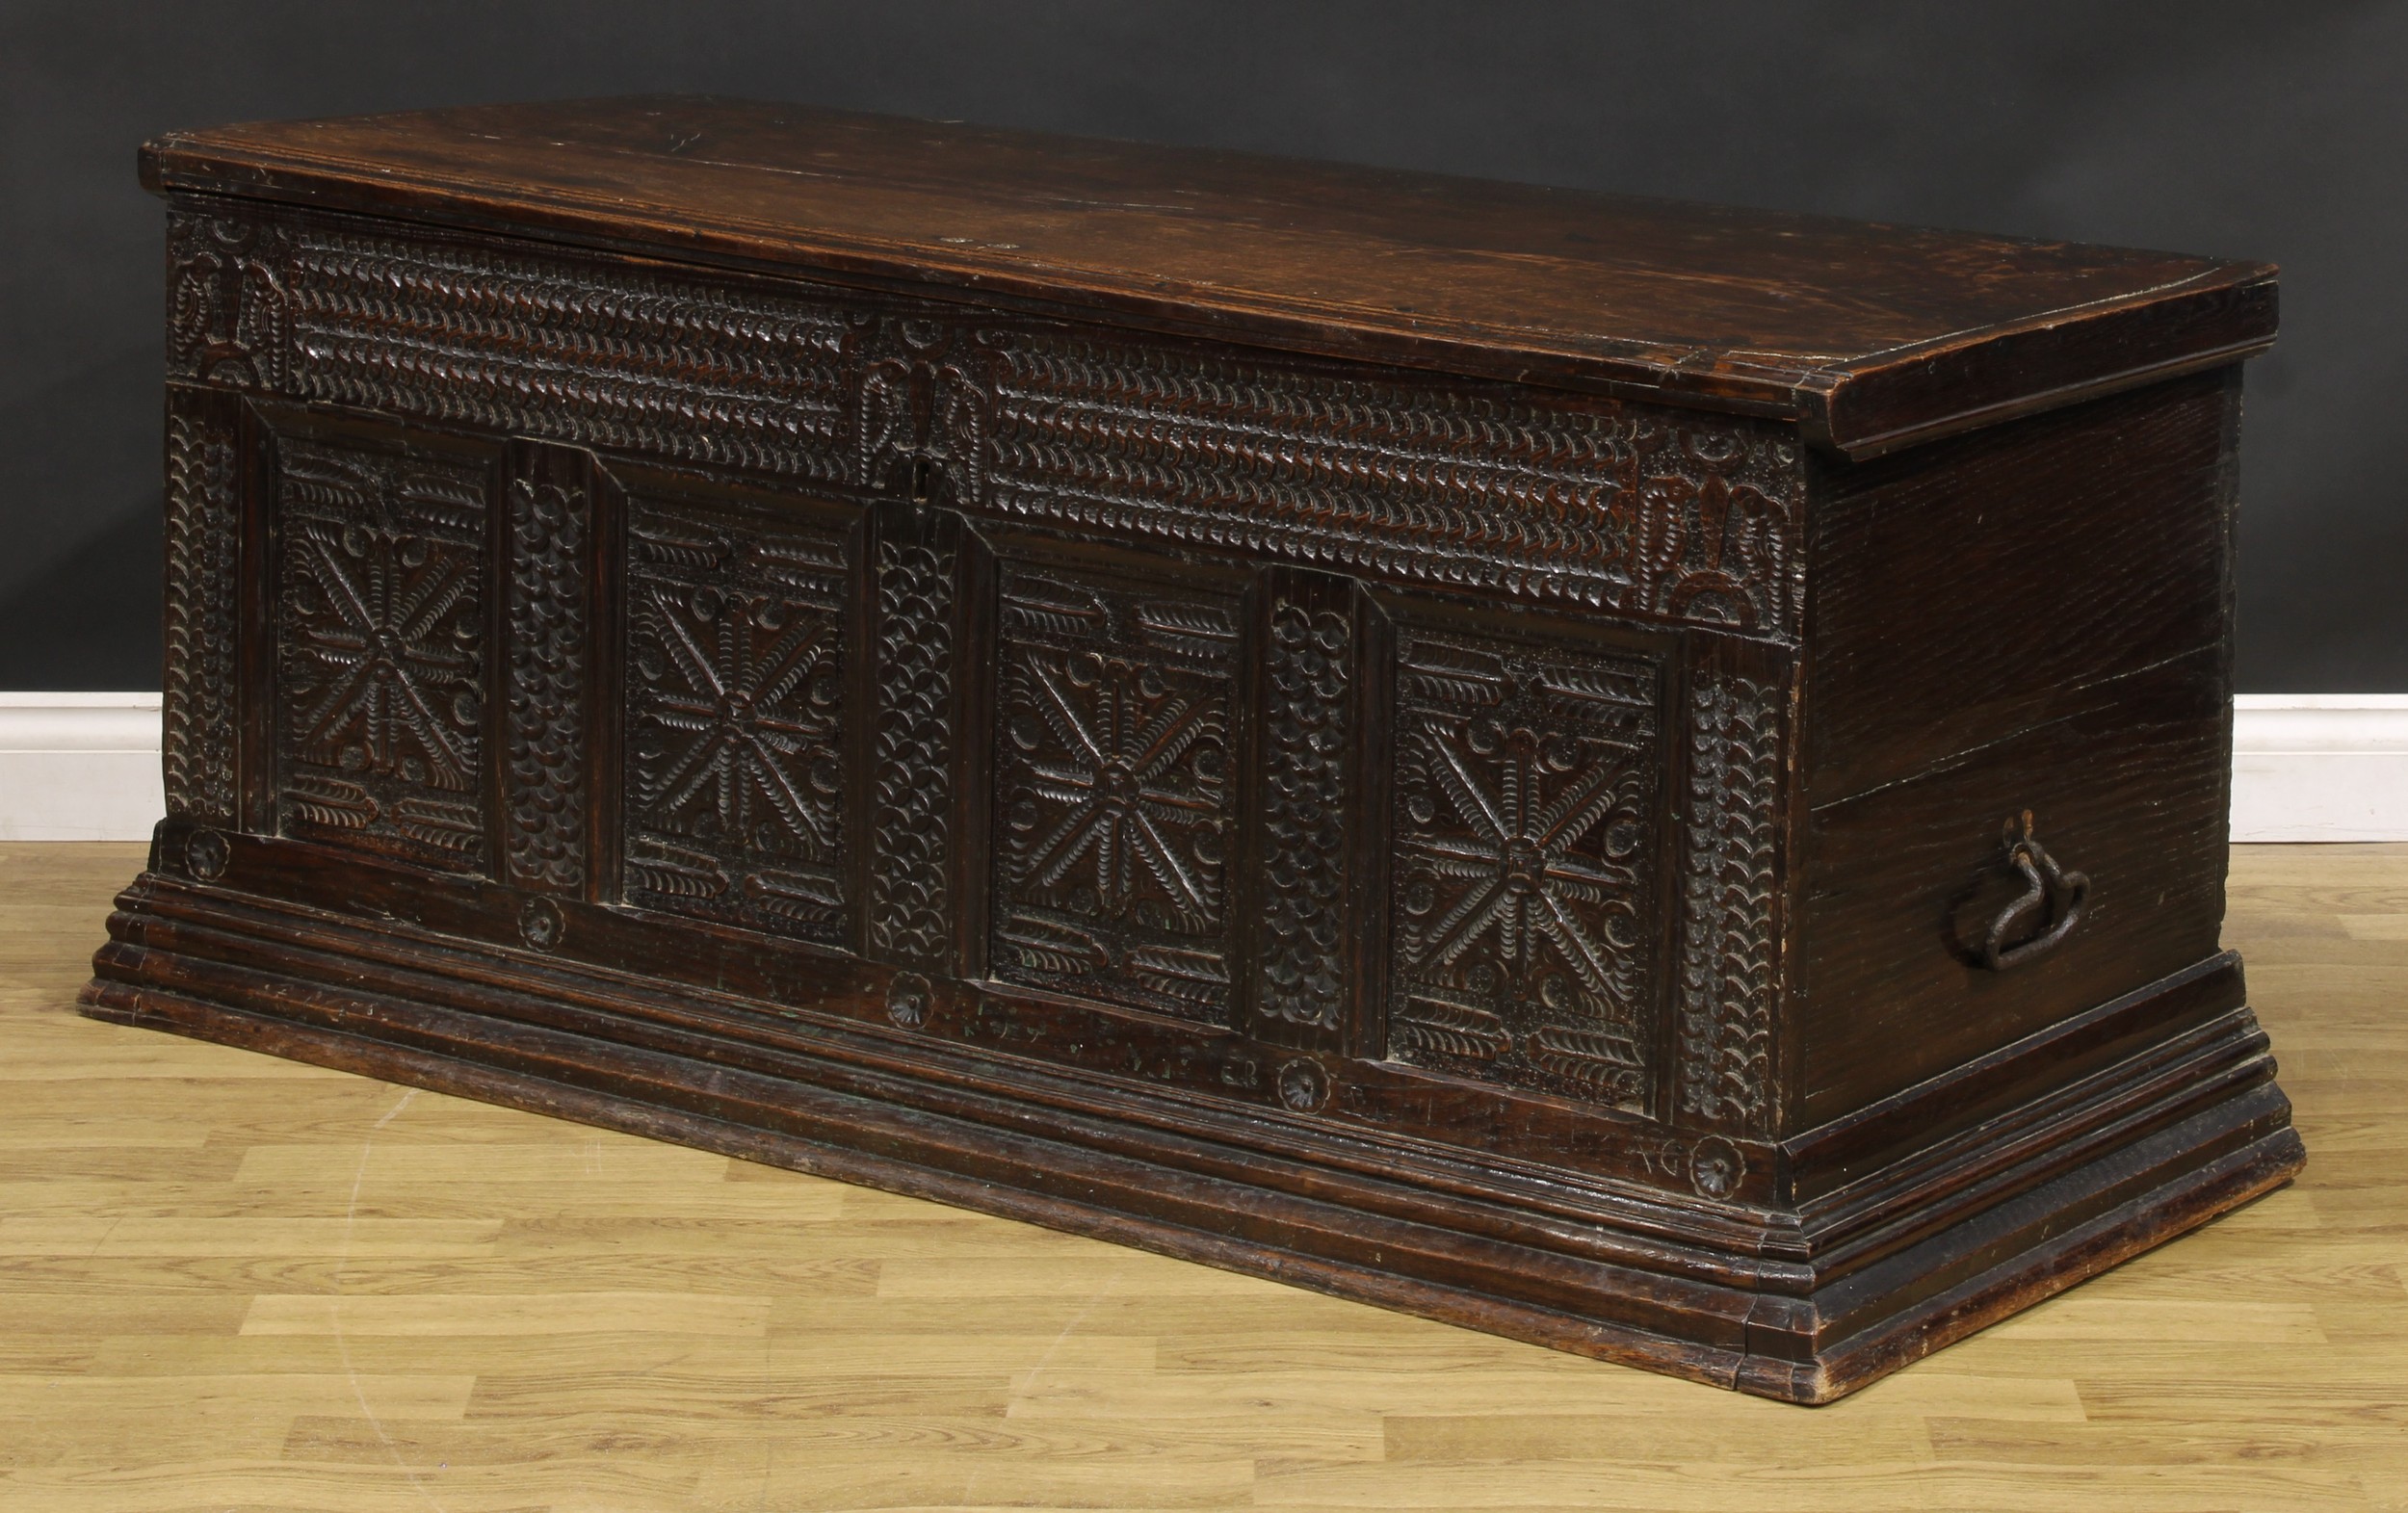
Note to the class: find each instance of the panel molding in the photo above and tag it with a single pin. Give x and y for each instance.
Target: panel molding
(1525, 841)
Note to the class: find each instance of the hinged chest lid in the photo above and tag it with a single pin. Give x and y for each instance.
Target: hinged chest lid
(1871, 336)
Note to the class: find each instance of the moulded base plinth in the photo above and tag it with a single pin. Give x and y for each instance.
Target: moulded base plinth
(1804, 1327)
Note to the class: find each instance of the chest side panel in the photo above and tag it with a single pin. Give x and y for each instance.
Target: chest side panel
(2035, 618)
(1394, 753)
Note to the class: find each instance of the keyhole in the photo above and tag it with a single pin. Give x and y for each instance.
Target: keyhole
(920, 471)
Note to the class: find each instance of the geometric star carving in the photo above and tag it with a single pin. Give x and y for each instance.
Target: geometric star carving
(1115, 766)
(742, 722)
(396, 671)
(1524, 826)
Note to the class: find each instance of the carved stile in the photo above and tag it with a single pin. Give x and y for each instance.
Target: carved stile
(1310, 659)
(544, 811)
(1728, 944)
(202, 537)
(914, 738)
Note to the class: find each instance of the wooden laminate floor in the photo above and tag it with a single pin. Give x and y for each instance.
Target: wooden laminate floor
(228, 1282)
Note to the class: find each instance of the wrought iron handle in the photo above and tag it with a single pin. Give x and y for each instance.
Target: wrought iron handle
(2051, 893)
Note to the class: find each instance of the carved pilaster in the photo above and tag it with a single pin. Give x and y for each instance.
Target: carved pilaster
(203, 553)
(546, 803)
(1310, 808)
(1728, 966)
(916, 737)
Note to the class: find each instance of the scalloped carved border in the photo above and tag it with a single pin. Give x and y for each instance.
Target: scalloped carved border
(1728, 966)
(203, 548)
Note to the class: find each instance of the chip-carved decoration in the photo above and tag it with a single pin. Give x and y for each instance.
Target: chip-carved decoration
(735, 767)
(1524, 833)
(913, 743)
(715, 372)
(1601, 505)
(1113, 792)
(544, 809)
(229, 320)
(380, 650)
(202, 552)
(1308, 733)
(1729, 945)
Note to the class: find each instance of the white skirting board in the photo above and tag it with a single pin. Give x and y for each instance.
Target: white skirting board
(79, 767)
(85, 767)
(2329, 767)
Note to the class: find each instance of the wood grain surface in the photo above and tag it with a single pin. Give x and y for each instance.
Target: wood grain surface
(233, 1282)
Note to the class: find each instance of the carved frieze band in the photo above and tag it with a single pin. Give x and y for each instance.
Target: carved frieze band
(1728, 942)
(1623, 506)
(544, 811)
(1307, 758)
(1647, 511)
(203, 536)
(913, 739)
(722, 374)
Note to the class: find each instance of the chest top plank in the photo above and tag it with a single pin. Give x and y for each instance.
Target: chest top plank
(1871, 336)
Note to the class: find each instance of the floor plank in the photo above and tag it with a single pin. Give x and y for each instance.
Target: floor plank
(230, 1282)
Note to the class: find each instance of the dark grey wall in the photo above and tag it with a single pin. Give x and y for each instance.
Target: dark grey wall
(2241, 129)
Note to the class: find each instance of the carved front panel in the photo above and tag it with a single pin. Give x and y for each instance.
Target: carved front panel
(1524, 838)
(380, 648)
(1113, 792)
(735, 777)
(1446, 839)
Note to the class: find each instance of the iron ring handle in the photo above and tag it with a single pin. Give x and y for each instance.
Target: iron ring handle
(2051, 890)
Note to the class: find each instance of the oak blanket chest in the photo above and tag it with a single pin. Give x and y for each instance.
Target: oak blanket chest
(1646, 777)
